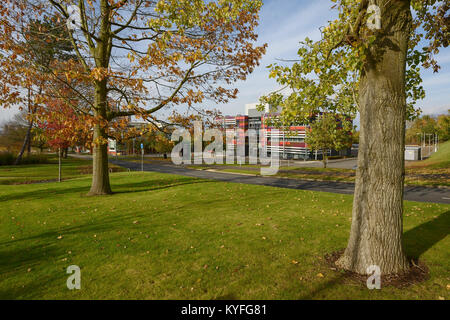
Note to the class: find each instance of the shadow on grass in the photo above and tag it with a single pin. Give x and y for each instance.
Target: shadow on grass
(41, 252)
(416, 242)
(421, 238)
(159, 184)
(17, 261)
(323, 287)
(148, 185)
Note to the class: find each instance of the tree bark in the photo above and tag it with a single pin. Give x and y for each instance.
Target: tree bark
(29, 139)
(59, 165)
(377, 226)
(27, 142)
(100, 173)
(324, 159)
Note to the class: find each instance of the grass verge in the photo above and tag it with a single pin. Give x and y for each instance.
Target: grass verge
(171, 237)
(33, 173)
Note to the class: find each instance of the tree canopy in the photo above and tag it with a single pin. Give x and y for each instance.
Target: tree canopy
(133, 58)
(325, 77)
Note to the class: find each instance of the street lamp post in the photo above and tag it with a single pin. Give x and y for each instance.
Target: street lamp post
(435, 142)
(142, 157)
(429, 143)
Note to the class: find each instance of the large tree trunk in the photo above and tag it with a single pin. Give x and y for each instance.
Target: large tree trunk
(100, 174)
(376, 231)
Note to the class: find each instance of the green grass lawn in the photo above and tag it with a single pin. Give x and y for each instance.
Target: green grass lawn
(302, 173)
(172, 237)
(434, 171)
(424, 175)
(441, 158)
(71, 168)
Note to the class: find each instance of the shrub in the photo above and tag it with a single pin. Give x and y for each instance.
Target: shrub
(8, 158)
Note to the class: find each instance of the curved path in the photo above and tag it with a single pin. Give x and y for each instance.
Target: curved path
(412, 193)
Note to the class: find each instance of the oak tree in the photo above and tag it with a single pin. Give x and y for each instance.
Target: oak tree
(369, 60)
(329, 132)
(139, 56)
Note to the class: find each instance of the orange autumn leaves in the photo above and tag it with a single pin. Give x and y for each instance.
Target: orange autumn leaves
(129, 58)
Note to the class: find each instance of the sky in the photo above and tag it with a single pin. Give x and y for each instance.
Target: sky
(283, 24)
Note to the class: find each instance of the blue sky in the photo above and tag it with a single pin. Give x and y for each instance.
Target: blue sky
(283, 24)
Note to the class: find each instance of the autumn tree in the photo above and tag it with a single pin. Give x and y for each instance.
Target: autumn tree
(369, 60)
(13, 132)
(141, 56)
(329, 132)
(423, 125)
(429, 125)
(39, 56)
(443, 124)
(61, 127)
(158, 141)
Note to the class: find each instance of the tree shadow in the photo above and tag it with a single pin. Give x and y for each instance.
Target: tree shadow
(106, 223)
(416, 242)
(157, 185)
(421, 238)
(148, 185)
(42, 249)
(322, 287)
(226, 297)
(41, 193)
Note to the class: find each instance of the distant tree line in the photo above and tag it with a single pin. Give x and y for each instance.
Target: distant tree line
(427, 124)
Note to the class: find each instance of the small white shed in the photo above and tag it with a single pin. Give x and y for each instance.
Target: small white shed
(412, 153)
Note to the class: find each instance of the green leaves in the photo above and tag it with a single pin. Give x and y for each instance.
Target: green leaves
(330, 131)
(326, 76)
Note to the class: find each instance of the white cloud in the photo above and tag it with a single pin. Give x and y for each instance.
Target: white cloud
(7, 113)
(283, 24)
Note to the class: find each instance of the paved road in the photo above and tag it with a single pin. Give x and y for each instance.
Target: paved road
(412, 193)
(339, 164)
